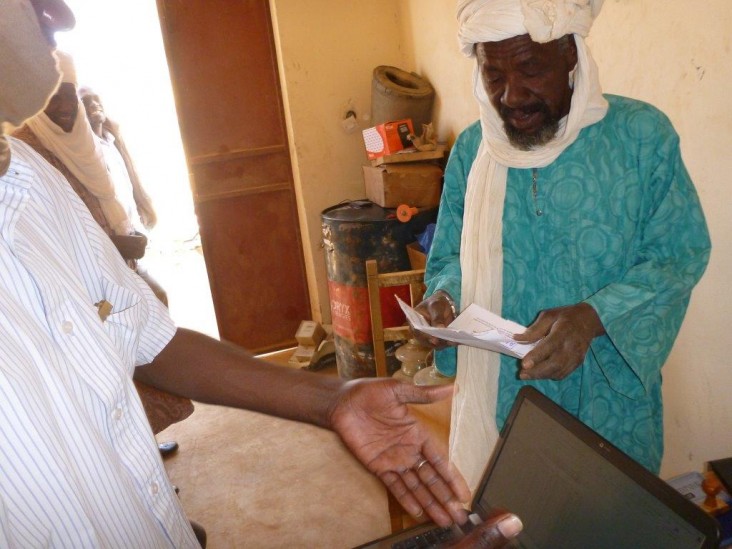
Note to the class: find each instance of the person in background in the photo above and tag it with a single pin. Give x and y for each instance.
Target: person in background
(127, 183)
(567, 211)
(63, 136)
(80, 467)
(119, 161)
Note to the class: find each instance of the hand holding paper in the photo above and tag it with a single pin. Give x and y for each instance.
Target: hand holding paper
(476, 327)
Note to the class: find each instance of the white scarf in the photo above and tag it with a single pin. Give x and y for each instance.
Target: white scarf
(82, 155)
(473, 432)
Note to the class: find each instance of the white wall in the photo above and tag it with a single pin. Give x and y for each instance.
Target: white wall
(667, 52)
(430, 34)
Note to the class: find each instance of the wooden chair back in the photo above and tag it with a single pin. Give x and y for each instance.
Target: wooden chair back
(380, 335)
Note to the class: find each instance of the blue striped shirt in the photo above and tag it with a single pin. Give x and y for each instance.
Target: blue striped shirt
(79, 466)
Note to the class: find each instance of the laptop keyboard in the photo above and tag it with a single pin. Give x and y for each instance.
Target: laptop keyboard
(431, 538)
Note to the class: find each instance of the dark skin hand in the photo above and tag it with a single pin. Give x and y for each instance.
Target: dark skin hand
(495, 532)
(565, 334)
(437, 310)
(131, 246)
(433, 486)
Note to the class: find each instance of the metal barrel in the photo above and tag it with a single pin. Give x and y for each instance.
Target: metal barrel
(352, 233)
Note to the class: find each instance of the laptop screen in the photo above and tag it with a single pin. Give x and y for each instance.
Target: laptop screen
(573, 489)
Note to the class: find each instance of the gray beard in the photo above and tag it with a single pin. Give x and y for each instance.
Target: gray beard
(526, 142)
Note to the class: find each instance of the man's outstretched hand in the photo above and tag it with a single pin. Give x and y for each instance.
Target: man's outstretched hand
(373, 420)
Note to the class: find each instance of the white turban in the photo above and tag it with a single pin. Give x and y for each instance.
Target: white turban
(543, 20)
(473, 431)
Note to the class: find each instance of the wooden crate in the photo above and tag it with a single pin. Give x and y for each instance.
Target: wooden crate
(414, 184)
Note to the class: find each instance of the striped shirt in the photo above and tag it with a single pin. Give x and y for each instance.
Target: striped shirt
(79, 466)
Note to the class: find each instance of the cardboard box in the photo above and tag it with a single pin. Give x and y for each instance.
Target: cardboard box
(310, 333)
(390, 185)
(387, 138)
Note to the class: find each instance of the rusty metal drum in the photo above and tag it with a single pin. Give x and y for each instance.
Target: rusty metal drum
(352, 233)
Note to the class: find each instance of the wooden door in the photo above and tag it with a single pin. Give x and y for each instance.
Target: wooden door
(223, 67)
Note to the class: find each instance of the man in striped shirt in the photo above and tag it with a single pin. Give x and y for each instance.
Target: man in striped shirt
(79, 466)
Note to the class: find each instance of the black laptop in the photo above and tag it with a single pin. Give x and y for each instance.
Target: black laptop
(572, 489)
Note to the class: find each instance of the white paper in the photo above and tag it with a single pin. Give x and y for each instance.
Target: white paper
(476, 327)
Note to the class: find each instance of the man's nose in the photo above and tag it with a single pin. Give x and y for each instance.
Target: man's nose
(67, 106)
(515, 93)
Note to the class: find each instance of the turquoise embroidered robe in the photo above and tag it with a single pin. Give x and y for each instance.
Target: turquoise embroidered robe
(621, 229)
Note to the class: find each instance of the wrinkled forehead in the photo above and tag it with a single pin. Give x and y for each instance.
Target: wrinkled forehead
(522, 47)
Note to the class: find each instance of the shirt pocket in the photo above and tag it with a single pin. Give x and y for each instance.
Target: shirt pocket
(124, 323)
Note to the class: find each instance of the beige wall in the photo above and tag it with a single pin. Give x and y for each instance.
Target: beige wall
(327, 51)
(662, 51)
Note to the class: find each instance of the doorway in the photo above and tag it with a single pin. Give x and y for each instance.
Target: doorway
(119, 52)
(224, 70)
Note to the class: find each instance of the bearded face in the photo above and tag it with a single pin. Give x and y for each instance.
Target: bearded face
(528, 85)
(527, 141)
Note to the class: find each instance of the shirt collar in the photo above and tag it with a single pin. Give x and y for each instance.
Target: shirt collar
(20, 173)
(15, 186)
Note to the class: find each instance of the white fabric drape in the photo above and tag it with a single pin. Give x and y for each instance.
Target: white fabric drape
(473, 431)
(82, 155)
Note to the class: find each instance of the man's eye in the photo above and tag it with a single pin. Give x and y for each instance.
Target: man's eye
(493, 77)
(532, 71)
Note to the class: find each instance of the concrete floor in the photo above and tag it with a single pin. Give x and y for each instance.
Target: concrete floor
(253, 481)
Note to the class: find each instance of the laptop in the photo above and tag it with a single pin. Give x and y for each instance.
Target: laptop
(572, 489)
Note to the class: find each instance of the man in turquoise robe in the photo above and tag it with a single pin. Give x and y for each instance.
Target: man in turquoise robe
(613, 222)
